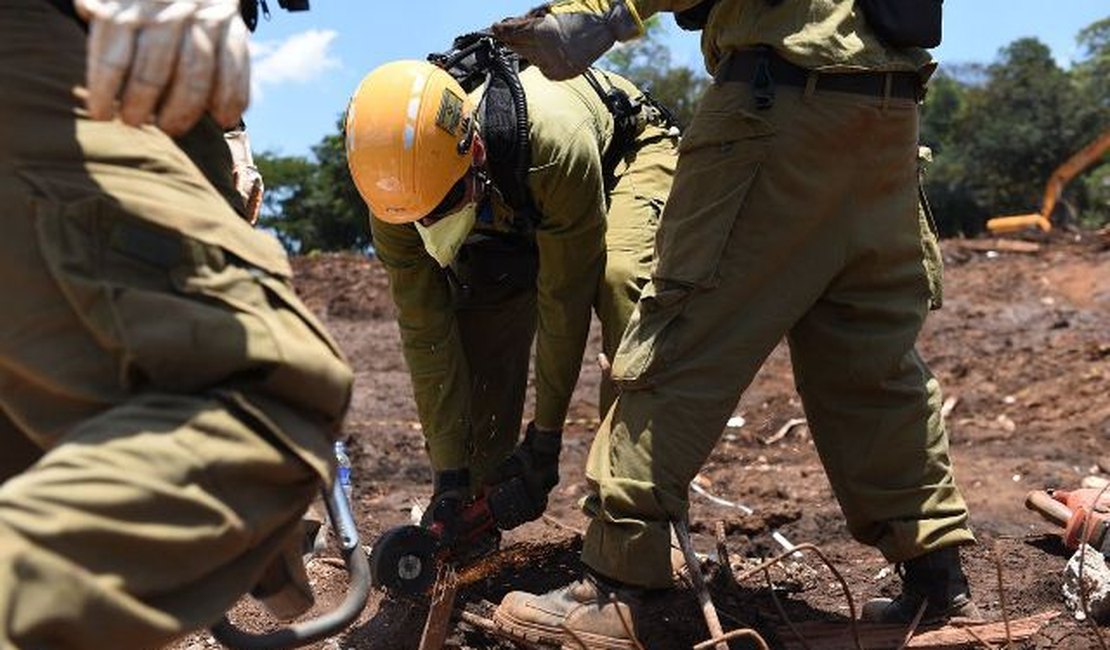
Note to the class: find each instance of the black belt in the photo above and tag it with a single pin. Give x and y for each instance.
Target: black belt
(761, 66)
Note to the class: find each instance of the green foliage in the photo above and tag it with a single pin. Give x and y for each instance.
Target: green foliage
(997, 132)
(646, 62)
(998, 136)
(313, 204)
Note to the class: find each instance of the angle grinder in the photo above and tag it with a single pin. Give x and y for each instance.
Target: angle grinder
(405, 560)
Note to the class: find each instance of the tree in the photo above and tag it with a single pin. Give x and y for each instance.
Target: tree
(646, 62)
(1093, 77)
(313, 204)
(999, 135)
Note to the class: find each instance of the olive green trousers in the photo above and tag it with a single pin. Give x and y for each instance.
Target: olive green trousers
(169, 402)
(497, 335)
(799, 221)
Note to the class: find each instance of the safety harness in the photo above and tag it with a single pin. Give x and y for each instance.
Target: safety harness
(492, 264)
(478, 58)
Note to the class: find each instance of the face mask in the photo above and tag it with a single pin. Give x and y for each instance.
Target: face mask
(445, 237)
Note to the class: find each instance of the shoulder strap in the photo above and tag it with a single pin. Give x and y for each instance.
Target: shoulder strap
(478, 58)
(629, 117)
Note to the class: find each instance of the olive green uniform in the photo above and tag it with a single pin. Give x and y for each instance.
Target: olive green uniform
(181, 399)
(801, 221)
(468, 348)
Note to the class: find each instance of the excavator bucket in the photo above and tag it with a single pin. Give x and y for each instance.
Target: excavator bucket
(1016, 223)
(1068, 170)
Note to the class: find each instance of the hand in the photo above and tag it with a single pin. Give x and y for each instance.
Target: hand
(519, 486)
(177, 57)
(564, 37)
(244, 174)
(450, 496)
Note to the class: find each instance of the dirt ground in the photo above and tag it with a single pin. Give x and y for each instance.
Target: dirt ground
(1022, 348)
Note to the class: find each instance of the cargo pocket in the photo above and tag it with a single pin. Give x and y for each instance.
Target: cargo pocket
(719, 160)
(932, 259)
(179, 315)
(644, 347)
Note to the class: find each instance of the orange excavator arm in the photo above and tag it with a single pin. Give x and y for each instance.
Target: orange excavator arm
(1063, 174)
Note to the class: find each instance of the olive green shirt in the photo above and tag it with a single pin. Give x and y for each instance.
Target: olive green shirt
(570, 128)
(828, 35)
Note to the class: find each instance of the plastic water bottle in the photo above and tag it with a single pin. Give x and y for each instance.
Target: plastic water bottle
(343, 468)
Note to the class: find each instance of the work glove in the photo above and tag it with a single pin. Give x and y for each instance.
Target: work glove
(175, 58)
(450, 496)
(244, 173)
(564, 37)
(519, 487)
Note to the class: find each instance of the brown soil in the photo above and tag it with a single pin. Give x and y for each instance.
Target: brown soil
(1022, 344)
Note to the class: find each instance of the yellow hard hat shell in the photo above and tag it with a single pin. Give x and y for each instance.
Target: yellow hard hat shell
(404, 126)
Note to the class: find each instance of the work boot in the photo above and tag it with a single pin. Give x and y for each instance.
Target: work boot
(585, 612)
(936, 578)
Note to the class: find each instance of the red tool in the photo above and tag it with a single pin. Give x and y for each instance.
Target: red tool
(405, 560)
(1078, 513)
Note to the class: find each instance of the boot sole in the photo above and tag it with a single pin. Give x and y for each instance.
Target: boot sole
(594, 642)
(527, 631)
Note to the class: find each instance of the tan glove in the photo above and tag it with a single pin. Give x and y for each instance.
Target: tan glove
(176, 58)
(244, 173)
(565, 37)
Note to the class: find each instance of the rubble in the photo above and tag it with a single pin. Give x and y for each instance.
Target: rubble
(1087, 570)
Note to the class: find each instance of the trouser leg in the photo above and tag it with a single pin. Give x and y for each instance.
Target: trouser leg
(143, 523)
(875, 415)
(184, 396)
(497, 339)
(635, 204)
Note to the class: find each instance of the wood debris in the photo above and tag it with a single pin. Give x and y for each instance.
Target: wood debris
(836, 636)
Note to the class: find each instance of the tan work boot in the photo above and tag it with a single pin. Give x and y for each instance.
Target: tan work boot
(936, 578)
(584, 612)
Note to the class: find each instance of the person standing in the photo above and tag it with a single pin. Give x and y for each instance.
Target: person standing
(794, 213)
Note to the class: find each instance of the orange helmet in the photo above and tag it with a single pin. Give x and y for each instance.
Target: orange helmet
(409, 133)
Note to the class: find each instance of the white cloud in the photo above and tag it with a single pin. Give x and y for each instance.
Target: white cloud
(300, 58)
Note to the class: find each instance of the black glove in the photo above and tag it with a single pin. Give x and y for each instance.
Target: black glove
(518, 488)
(450, 496)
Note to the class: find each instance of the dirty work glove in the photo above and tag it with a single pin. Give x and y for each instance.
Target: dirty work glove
(450, 496)
(520, 485)
(244, 173)
(173, 58)
(564, 37)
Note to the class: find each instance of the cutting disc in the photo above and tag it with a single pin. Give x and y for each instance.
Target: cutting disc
(403, 560)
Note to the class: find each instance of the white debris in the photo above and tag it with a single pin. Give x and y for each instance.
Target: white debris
(784, 543)
(736, 421)
(718, 500)
(1094, 482)
(1096, 584)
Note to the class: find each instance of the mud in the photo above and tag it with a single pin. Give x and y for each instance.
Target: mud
(1022, 348)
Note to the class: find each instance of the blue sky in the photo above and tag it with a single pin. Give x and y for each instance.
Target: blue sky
(307, 64)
